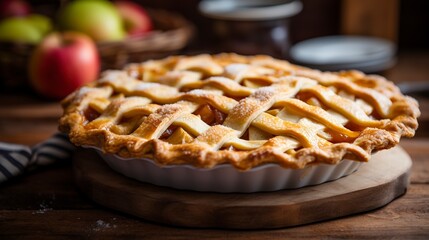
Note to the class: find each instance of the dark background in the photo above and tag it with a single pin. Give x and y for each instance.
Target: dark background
(318, 18)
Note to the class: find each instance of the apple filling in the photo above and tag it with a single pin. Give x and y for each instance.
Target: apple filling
(90, 114)
(208, 114)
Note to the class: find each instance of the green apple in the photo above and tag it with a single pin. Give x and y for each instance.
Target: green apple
(98, 19)
(42, 23)
(19, 30)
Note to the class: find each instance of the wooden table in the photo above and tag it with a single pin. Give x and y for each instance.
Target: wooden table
(45, 203)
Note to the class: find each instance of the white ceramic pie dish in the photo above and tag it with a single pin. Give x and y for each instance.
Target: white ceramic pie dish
(225, 178)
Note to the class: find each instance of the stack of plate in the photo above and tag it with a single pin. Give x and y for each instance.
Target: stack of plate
(249, 10)
(333, 53)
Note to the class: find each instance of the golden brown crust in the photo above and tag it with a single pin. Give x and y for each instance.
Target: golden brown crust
(266, 111)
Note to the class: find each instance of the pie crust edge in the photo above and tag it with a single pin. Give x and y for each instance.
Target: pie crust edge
(403, 124)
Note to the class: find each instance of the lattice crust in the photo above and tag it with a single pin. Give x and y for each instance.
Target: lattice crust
(246, 111)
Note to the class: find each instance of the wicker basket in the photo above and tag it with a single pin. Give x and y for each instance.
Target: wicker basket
(172, 33)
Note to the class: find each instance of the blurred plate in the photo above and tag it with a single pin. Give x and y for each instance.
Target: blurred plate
(340, 50)
(239, 10)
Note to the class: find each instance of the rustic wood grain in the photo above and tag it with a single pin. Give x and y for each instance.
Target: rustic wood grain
(49, 187)
(404, 218)
(22, 116)
(371, 18)
(418, 150)
(27, 131)
(36, 111)
(375, 184)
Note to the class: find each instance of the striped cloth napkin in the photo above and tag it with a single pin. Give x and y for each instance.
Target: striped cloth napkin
(15, 159)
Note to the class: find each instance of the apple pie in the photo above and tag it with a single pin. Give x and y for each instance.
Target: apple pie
(245, 111)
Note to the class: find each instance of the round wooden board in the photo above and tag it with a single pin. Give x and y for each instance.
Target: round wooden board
(376, 183)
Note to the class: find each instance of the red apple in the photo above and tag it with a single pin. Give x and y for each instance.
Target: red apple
(137, 21)
(63, 62)
(14, 8)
